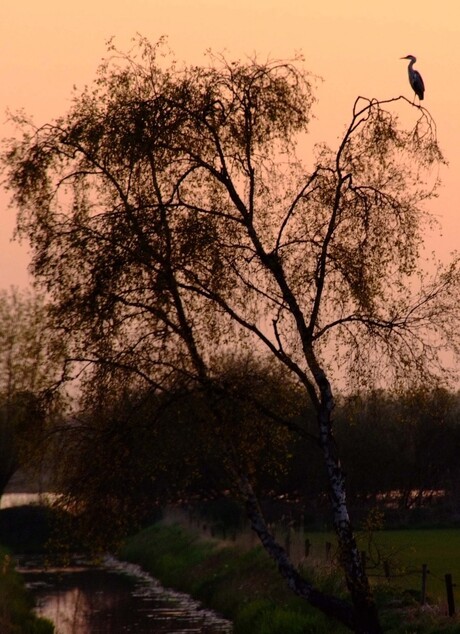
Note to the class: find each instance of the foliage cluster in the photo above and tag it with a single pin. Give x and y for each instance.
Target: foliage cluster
(30, 366)
(171, 447)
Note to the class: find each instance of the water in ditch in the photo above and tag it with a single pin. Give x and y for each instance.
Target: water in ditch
(111, 598)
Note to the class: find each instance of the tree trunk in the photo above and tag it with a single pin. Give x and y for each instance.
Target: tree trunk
(365, 610)
(329, 605)
(360, 617)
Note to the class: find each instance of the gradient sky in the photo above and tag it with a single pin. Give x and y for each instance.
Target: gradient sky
(48, 46)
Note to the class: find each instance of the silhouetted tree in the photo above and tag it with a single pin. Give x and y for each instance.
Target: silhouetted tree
(30, 363)
(170, 217)
(169, 447)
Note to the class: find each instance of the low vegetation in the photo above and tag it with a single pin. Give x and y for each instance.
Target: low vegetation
(16, 614)
(244, 585)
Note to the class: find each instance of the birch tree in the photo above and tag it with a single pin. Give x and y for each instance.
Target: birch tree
(171, 217)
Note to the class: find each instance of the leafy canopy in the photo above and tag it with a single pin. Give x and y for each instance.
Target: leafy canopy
(169, 215)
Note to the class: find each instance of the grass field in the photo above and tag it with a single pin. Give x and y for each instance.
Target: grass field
(405, 550)
(409, 549)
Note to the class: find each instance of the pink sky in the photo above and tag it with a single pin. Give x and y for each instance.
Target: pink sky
(48, 46)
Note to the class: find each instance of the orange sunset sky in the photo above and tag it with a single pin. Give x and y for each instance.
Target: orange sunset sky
(48, 46)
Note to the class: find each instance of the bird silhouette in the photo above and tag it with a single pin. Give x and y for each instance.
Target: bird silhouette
(415, 79)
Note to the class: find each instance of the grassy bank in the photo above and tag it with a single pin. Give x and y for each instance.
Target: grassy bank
(16, 615)
(245, 587)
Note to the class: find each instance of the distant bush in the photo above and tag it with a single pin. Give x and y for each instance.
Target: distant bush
(25, 528)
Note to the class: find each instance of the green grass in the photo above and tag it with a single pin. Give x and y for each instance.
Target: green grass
(406, 551)
(439, 548)
(245, 586)
(265, 617)
(16, 615)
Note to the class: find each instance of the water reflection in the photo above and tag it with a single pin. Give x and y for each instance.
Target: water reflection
(8, 500)
(115, 598)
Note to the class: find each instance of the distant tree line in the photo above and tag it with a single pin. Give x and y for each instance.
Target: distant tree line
(400, 450)
(405, 443)
(31, 359)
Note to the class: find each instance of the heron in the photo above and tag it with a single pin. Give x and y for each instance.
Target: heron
(415, 79)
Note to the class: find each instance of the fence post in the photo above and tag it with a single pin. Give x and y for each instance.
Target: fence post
(307, 547)
(450, 594)
(425, 571)
(328, 550)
